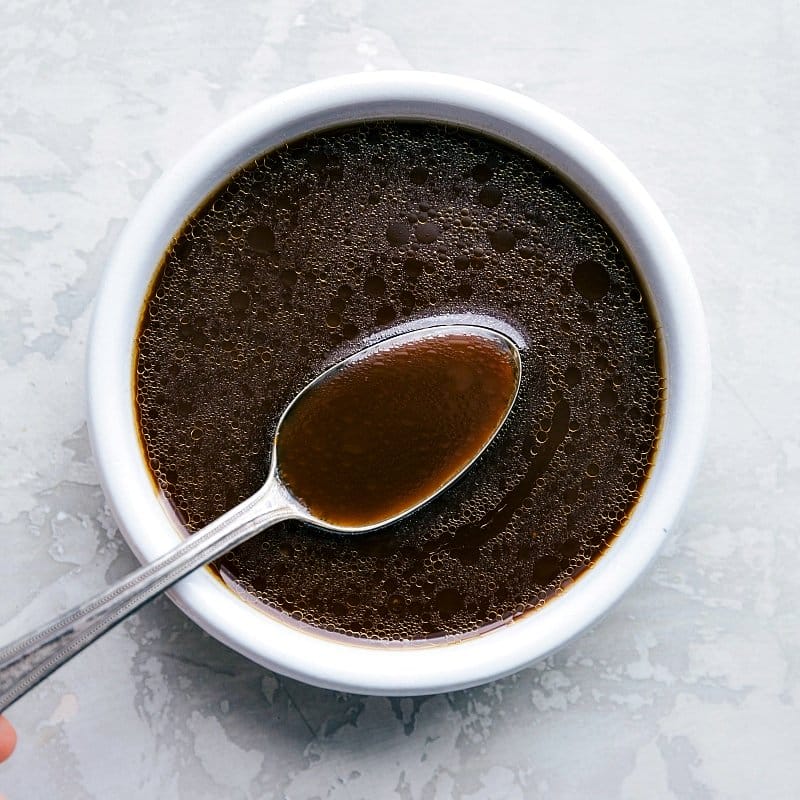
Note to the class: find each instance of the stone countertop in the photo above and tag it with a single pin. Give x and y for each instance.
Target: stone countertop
(690, 688)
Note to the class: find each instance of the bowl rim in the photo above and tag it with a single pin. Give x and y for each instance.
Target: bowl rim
(345, 664)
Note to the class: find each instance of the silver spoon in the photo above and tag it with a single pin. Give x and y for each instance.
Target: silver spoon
(31, 658)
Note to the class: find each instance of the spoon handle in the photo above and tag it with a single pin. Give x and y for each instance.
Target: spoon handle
(30, 659)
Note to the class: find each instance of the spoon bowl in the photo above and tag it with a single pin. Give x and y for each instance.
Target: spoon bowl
(379, 447)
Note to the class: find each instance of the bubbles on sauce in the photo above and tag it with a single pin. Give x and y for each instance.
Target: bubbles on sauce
(502, 240)
(349, 234)
(490, 196)
(591, 279)
(426, 232)
(398, 233)
(261, 239)
(375, 286)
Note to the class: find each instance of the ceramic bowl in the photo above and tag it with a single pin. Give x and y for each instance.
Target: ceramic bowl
(599, 177)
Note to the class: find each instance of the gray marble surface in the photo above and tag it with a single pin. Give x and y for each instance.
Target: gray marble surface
(690, 688)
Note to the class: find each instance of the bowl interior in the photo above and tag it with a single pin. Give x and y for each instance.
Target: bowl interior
(598, 176)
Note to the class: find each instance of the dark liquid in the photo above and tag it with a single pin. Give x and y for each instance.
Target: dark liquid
(350, 233)
(390, 429)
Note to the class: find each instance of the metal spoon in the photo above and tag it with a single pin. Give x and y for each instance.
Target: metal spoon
(30, 659)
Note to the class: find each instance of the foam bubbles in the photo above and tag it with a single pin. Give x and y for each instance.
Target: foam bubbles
(328, 240)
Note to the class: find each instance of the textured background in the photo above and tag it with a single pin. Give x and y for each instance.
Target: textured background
(690, 687)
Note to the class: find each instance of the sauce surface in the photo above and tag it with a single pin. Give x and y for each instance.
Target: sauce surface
(385, 433)
(349, 234)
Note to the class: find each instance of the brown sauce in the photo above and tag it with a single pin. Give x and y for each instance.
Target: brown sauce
(349, 234)
(385, 433)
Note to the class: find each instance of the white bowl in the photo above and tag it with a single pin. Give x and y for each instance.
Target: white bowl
(626, 207)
